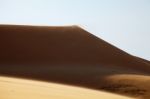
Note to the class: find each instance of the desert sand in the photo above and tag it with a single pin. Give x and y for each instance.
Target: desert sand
(13, 88)
(71, 55)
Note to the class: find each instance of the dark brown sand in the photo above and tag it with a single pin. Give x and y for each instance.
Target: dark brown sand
(72, 56)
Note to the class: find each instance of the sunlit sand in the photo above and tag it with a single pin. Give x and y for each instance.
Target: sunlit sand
(13, 88)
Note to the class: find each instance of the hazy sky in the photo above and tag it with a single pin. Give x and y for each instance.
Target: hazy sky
(123, 23)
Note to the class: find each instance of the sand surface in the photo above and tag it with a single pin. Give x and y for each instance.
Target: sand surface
(12, 88)
(129, 84)
(73, 56)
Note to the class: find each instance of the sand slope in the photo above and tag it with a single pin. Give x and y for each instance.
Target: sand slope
(71, 55)
(132, 85)
(12, 88)
(61, 45)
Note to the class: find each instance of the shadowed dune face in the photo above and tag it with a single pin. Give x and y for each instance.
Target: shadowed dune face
(60, 45)
(67, 55)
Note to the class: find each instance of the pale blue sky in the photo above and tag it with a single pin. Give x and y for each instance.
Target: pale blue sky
(123, 23)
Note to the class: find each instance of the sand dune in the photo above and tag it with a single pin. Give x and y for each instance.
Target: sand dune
(71, 55)
(12, 88)
(60, 45)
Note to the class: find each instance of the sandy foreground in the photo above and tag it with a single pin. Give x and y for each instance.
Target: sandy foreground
(14, 88)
